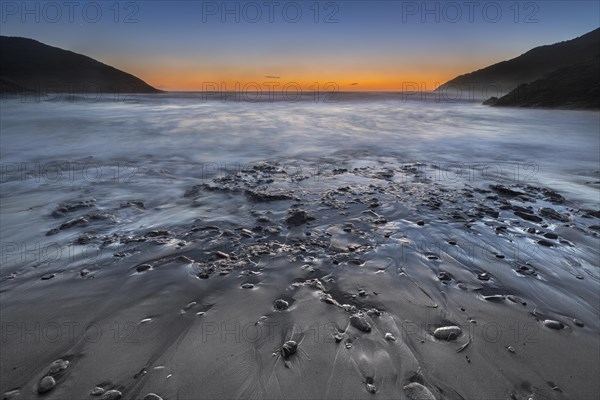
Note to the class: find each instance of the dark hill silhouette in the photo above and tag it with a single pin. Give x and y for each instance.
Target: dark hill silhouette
(28, 65)
(573, 87)
(526, 68)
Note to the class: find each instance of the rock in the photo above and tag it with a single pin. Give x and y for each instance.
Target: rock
(298, 217)
(390, 337)
(289, 348)
(483, 276)
(247, 286)
(416, 391)
(152, 396)
(158, 233)
(552, 214)
(58, 366)
(578, 322)
(545, 243)
(81, 221)
(265, 196)
(13, 394)
(552, 324)
(420, 222)
(371, 388)
(46, 384)
(221, 254)
(528, 217)
(510, 349)
(447, 332)
(281, 305)
(359, 322)
(444, 277)
(362, 293)
(111, 395)
(504, 191)
(494, 297)
(97, 391)
(338, 338)
(246, 232)
(48, 276)
(143, 267)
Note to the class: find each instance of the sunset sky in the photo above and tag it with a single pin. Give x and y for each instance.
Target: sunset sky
(359, 45)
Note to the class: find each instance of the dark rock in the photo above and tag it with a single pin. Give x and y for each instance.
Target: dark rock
(280, 305)
(504, 191)
(552, 214)
(552, 324)
(545, 243)
(483, 276)
(265, 196)
(444, 276)
(143, 267)
(359, 322)
(58, 366)
(46, 384)
(550, 235)
(111, 395)
(97, 391)
(447, 332)
(298, 217)
(81, 221)
(152, 396)
(528, 217)
(289, 348)
(416, 391)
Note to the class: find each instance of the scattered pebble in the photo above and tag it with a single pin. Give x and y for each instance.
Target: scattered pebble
(359, 322)
(281, 305)
(552, 324)
(97, 391)
(143, 267)
(11, 395)
(222, 254)
(444, 277)
(46, 384)
(289, 348)
(111, 395)
(298, 217)
(483, 276)
(58, 366)
(447, 332)
(152, 396)
(371, 388)
(416, 391)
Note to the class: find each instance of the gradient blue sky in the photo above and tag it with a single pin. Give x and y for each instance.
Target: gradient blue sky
(178, 45)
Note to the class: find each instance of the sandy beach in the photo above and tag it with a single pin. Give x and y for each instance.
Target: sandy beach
(348, 276)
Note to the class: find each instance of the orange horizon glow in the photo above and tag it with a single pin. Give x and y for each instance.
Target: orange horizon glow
(277, 84)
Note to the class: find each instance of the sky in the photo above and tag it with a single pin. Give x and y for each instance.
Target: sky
(356, 45)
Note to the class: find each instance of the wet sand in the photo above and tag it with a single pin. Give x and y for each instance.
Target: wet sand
(362, 278)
